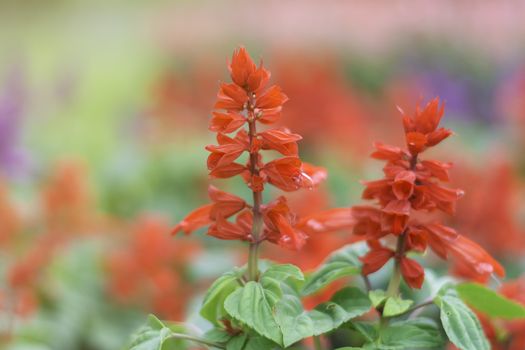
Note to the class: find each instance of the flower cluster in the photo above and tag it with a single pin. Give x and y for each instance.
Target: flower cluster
(241, 108)
(158, 267)
(412, 185)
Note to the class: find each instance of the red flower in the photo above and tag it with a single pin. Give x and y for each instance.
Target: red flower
(198, 218)
(473, 260)
(245, 73)
(376, 258)
(412, 272)
(287, 174)
(421, 129)
(280, 140)
(231, 97)
(248, 101)
(279, 222)
(410, 185)
(228, 150)
(226, 122)
(327, 221)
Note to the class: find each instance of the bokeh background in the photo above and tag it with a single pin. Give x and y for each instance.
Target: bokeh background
(104, 106)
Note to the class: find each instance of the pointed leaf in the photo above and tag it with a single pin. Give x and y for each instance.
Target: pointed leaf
(395, 306)
(297, 324)
(412, 334)
(342, 263)
(460, 323)
(489, 302)
(377, 297)
(253, 305)
(213, 304)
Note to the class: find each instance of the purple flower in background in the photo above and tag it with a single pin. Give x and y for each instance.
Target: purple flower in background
(13, 97)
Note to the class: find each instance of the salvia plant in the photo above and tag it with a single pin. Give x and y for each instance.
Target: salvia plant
(260, 306)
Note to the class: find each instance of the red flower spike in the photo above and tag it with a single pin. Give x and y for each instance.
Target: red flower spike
(412, 272)
(247, 101)
(410, 185)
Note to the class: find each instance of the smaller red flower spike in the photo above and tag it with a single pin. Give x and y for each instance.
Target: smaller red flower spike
(410, 185)
(240, 106)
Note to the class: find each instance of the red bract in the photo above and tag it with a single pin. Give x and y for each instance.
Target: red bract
(247, 102)
(411, 184)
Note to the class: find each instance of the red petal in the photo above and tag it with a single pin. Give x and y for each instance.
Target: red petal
(387, 152)
(437, 169)
(375, 259)
(241, 67)
(280, 140)
(225, 204)
(412, 272)
(271, 98)
(223, 229)
(327, 221)
(403, 186)
(198, 218)
(437, 136)
(231, 97)
(284, 173)
(416, 142)
(315, 174)
(226, 122)
(227, 171)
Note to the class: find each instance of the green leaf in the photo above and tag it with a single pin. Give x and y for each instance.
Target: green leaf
(278, 279)
(213, 304)
(297, 324)
(217, 335)
(367, 329)
(489, 302)
(395, 306)
(460, 323)
(152, 336)
(377, 297)
(253, 305)
(412, 334)
(283, 272)
(342, 263)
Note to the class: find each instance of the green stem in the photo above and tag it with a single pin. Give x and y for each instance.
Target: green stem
(317, 343)
(253, 259)
(196, 340)
(395, 280)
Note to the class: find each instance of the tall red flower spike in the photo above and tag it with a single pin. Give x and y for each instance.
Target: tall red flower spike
(412, 185)
(241, 107)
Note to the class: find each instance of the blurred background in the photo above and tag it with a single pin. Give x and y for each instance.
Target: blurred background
(104, 107)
